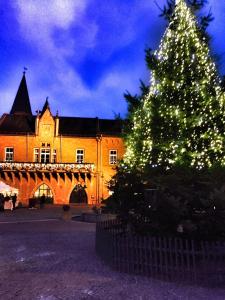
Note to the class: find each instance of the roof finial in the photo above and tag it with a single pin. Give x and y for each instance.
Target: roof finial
(24, 70)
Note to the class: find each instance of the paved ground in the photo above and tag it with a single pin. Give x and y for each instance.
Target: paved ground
(49, 212)
(43, 257)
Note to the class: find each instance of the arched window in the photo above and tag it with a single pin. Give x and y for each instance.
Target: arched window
(43, 189)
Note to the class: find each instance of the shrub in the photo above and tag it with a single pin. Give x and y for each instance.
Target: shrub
(188, 200)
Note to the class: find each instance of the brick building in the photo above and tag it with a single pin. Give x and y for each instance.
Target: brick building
(69, 159)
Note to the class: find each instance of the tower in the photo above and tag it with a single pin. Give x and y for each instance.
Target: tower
(21, 104)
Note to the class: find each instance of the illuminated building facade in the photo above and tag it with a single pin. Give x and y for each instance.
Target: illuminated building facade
(68, 159)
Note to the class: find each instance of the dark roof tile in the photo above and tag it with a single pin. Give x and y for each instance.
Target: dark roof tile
(70, 126)
(89, 126)
(17, 124)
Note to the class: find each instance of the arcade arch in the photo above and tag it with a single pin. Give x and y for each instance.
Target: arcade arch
(79, 195)
(45, 190)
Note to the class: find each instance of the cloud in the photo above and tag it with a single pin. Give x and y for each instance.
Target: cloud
(39, 19)
(47, 27)
(123, 23)
(107, 97)
(61, 34)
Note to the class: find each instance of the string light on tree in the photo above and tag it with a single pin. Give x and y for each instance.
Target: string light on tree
(181, 120)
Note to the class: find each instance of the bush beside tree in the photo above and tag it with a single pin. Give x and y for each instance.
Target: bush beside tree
(189, 202)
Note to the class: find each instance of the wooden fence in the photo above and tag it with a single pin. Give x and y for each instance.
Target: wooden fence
(161, 257)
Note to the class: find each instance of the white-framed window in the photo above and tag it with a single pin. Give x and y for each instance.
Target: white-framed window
(54, 156)
(9, 154)
(36, 154)
(80, 156)
(45, 155)
(112, 157)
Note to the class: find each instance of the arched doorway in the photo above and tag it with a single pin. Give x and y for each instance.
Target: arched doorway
(45, 190)
(78, 195)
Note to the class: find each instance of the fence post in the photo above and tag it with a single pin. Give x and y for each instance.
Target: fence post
(198, 261)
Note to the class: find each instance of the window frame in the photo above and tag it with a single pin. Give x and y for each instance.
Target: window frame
(113, 155)
(43, 189)
(54, 156)
(8, 153)
(79, 154)
(49, 153)
(38, 155)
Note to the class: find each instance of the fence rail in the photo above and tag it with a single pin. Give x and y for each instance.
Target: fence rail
(161, 257)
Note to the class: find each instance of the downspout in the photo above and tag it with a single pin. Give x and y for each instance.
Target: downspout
(27, 138)
(60, 148)
(97, 140)
(101, 174)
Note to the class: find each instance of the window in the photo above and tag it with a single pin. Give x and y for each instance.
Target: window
(45, 155)
(9, 154)
(43, 190)
(80, 156)
(54, 156)
(112, 157)
(36, 155)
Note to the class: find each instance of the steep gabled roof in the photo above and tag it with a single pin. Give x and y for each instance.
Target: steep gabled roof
(21, 104)
(45, 107)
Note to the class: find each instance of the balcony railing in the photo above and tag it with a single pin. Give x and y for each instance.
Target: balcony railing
(51, 167)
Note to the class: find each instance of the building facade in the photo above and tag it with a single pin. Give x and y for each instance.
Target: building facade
(68, 159)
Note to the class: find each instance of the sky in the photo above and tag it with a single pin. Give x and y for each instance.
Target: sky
(84, 54)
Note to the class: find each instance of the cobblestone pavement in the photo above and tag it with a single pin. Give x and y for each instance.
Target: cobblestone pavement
(53, 259)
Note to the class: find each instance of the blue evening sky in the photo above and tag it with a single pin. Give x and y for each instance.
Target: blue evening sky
(84, 54)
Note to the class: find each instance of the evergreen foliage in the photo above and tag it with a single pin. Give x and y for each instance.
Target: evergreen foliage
(195, 5)
(181, 120)
(134, 101)
(175, 139)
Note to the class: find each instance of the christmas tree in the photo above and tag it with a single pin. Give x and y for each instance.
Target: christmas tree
(181, 120)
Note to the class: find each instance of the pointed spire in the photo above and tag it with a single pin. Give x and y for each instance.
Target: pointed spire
(21, 104)
(45, 107)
